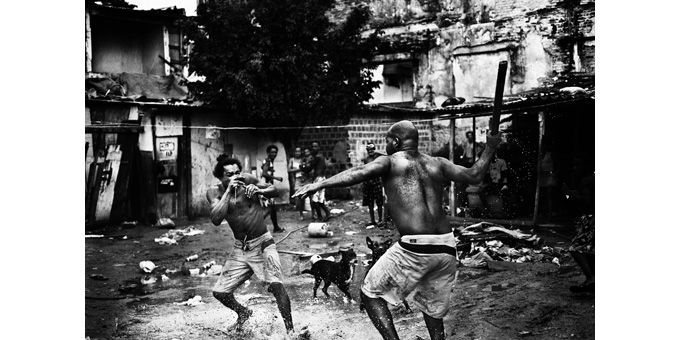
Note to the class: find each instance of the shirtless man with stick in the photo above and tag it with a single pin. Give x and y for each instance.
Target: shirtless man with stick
(423, 262)
(242, 202)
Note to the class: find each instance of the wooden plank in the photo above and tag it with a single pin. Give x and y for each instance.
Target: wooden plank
(108, 184)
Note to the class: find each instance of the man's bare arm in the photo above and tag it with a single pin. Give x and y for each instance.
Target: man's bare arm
(219, 208)
(379, 167)
(475, 173)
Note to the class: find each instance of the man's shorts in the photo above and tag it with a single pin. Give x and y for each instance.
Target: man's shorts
(259, 257)
(425, 278)
(320, 195)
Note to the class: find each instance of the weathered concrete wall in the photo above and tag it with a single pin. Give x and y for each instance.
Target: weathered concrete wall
(204, 151)
(541, 38)
(129, 47)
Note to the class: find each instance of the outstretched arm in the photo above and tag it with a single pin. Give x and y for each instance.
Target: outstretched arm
(475, 173)
(379, 167)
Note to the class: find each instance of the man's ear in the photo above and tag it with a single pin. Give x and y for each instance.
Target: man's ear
(397, 141)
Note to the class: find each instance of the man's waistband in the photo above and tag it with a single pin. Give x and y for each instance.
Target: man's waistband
(429, 244)
(248, 244)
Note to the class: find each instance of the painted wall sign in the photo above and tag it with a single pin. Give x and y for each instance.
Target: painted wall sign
(166, 148)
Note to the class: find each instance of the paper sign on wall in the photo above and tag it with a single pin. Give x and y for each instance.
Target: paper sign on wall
(166, 148)
(212, 133)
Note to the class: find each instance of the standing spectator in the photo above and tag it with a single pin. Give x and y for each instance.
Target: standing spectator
(268, 175)
(319, 174)
(372, 188)
(308, 176)
(295, 171)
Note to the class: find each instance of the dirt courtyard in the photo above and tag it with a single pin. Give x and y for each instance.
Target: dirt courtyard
(530, 301)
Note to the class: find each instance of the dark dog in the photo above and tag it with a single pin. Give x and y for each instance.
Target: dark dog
(341, 273)
(378, 249)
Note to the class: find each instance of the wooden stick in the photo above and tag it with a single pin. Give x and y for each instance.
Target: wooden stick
(498, 98)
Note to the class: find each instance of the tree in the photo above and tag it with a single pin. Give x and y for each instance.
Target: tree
(281, 62)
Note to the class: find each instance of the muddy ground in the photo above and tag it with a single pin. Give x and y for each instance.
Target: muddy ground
(532, 301)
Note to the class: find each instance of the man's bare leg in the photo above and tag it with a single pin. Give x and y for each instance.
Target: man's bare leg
(380, 316)
(228, 300)
(435, 327)
(371, 206)
(283, 302)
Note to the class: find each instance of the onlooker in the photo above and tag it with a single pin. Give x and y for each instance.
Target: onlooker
(308, 176)
(372, 188)
(319, 174)
(295, 171)
(268, 175)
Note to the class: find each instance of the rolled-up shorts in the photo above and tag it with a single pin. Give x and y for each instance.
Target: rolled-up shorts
(425, 278)
(259, 257)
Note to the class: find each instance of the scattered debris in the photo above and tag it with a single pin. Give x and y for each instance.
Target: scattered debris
(147, 266)
(164, 278)
(129, 224)
(93, 236)
(165, 222)
(215, 269)
(192, 258)
(370, 226)
(193, 302)
(483, 242)
(524, 333)
(148, 279)
(98, 277)
(318, 230)
(337, 211)
(174, 235)
(350, 233)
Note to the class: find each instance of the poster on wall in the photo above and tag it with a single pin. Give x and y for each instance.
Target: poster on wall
(167, 125)
(212, 132)
(166, 148)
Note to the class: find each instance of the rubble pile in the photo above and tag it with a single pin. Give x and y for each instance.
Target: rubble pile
(483, 242)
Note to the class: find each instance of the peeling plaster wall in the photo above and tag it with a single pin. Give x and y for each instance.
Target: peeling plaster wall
(204, 152)
(544, 33)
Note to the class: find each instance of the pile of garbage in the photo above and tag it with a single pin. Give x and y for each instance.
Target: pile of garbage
(174, 235)
(483, 242)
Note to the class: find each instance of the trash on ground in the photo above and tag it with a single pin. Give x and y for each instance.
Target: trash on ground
(318, 230)
(94, 236)
(524, 333)
(194, 301)
(119, 264)
(129, 224)
(350, 233)
(165, 222)
(164, 277)
(174, 235)
(215, 269)
(147, 266)
(499, 243)
(370, 226)
(98, 277)
(148, 279)
(337, 211)
(192, 258)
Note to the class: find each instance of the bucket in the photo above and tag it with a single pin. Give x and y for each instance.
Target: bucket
(317, 230)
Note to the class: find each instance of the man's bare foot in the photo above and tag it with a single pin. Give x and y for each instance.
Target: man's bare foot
(303, 334)
(242, 318)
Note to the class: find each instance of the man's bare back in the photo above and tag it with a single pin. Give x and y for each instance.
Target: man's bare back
(414, 182)
(414, 187)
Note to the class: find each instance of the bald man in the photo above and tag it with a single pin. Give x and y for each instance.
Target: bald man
(423, 263)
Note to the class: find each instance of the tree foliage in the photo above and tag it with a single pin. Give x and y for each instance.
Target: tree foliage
(281, 62)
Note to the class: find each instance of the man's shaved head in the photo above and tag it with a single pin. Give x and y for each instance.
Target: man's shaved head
(402, 135)
(404, 130)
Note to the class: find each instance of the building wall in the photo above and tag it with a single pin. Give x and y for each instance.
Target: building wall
(544, 36)
(126, 47)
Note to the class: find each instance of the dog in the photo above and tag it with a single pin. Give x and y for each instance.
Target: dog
(378, 249)
(341, 273)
